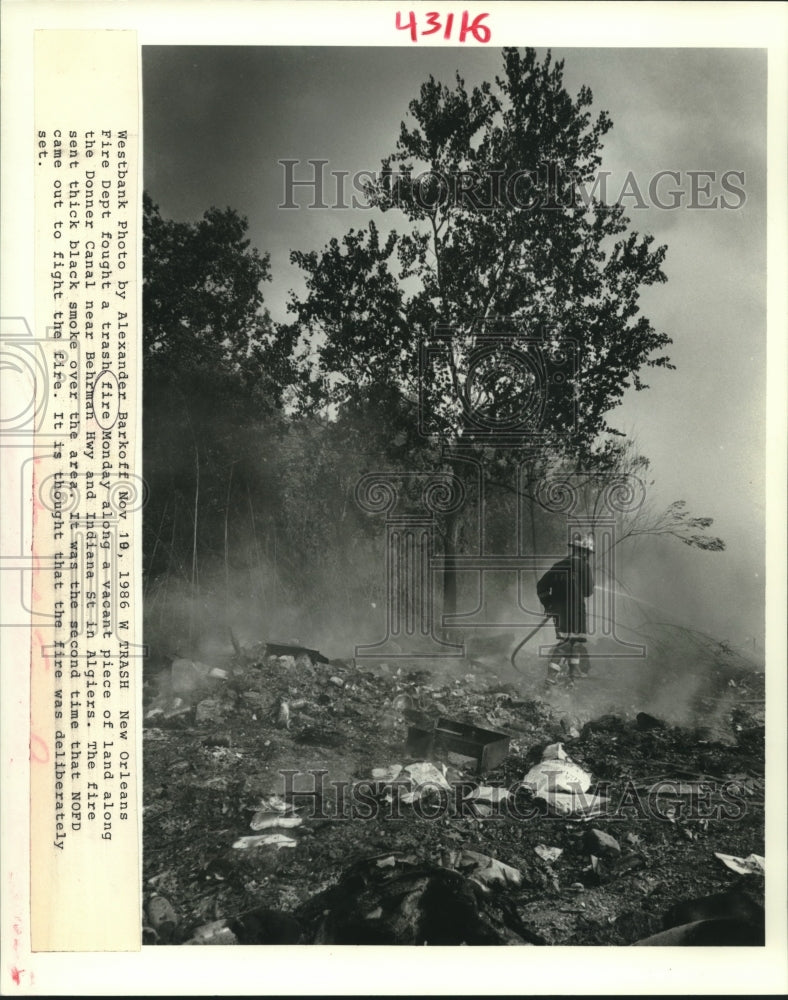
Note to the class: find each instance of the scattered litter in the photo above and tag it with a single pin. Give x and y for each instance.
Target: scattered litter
(487, 871)
(751, 865)
(277, 840)
(389, 862)
(548, 854)
(486, 747)
(557, 776)
(577, 887)
(266, 820)
(281, 714)
(601, 844)
(216, 932)
(387, 773)
(575, 805)
(162, 918)
(488, 793)
(295, 651)
(424, 773)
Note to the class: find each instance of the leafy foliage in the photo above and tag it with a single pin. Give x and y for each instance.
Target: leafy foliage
(502, 231)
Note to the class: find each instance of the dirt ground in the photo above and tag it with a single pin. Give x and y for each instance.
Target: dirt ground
(214, 755)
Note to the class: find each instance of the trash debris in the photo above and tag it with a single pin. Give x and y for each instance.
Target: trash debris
(601, 844)
(420, 904)
(162, 918)
(751, 865)
(488, 793)
(295, 651)
(267, 820)
(551, 776)
(438, 881)
(281, 714)
(387, 773)
(423, 773)
(486, 747)
(216, 932)
(548, 854)
(487, 871)
(277, 840)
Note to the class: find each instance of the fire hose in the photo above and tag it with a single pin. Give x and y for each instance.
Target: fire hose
(530, 635)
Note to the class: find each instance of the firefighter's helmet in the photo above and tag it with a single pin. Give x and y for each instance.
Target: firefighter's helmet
(583, 542)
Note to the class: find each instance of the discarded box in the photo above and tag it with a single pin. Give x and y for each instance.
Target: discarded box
(288, 649)
(485, 746)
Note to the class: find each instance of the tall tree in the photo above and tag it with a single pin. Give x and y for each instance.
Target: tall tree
(215, 373)
(502, 232)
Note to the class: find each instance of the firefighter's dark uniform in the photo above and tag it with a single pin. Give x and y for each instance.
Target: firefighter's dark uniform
(563, 591)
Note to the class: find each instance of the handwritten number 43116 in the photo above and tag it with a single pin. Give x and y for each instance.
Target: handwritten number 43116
(479, 31)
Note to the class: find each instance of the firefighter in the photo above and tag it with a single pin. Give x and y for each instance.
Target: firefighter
(563, 591)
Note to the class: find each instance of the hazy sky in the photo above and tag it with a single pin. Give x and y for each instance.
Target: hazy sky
(218, 120)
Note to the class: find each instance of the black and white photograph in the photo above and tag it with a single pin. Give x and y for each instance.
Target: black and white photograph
(393, 442)
(454, 432)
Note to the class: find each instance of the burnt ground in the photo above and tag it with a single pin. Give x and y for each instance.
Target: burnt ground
(212, 755)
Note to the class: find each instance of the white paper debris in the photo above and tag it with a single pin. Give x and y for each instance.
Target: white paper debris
(548, 854)
(752, 864)
(551, 776)
(265, 820)
(389, 773)
(424, 773)
(488, 793)
(277, 840)
(489, 871)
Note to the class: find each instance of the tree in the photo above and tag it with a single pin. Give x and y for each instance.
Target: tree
(215, 373)
(203, 299)
(501, 232)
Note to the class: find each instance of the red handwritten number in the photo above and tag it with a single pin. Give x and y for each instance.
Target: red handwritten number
(479, 31)
(433, 20)
(411, 24)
